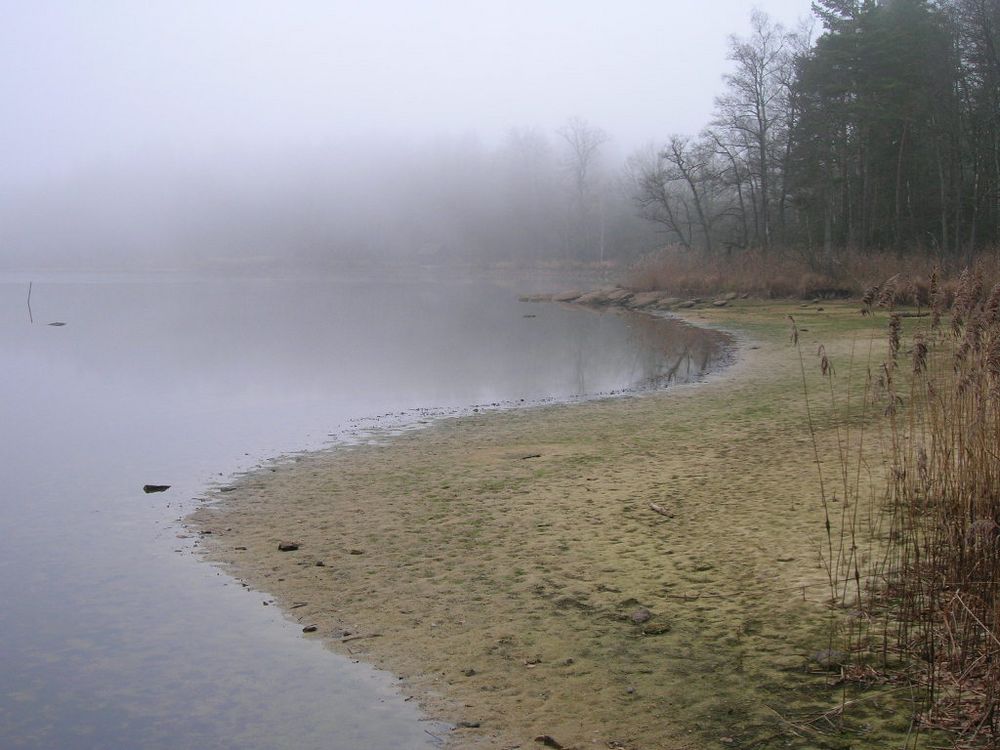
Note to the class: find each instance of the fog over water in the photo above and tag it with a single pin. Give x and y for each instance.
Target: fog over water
(113, 636)
(208, 134)
(207, 198)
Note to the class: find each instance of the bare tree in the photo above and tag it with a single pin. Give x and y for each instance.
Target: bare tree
(691, 165)
(736, 174)
(683, 187)
(754, 111)
(650, 184)
(583, 144)
(529, 202)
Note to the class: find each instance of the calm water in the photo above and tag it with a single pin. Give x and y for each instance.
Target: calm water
(114, 634)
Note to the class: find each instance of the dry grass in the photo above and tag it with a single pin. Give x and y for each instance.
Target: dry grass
(943, 572)
(787, 274)
(918, 569)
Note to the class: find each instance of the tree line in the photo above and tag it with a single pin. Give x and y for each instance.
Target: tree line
(882, 134)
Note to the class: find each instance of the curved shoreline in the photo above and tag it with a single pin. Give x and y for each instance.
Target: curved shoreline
(391, 425)
(511, 566)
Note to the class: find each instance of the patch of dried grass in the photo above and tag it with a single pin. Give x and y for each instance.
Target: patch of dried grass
(898, 279)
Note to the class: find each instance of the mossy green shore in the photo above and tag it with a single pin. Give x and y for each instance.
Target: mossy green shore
(548, 596)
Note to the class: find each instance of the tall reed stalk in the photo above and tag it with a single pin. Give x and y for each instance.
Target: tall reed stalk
(944, 577)
(928, 588)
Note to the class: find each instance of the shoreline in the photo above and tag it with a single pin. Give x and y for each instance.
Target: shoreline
(390, 425)
(634, 572)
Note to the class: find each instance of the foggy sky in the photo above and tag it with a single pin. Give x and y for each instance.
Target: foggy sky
(174, 132)
(87, 82)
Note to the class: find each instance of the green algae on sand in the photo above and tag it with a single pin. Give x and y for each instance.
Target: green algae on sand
(507, 593)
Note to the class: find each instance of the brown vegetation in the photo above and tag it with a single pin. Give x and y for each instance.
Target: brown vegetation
(788, 274)
(918, 569)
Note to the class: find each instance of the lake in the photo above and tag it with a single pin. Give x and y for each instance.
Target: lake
(115, 633)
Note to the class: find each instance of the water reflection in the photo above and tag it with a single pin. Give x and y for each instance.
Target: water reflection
(113, 638)
(680, 354)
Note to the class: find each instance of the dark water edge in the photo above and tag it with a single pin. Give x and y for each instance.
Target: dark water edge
(380, 428)
(113, 638)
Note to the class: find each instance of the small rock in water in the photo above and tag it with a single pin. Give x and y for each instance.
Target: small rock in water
(148, 488)
(640, 616)
(467, 725)
(287, 546)
(57, 323)
(309, 629)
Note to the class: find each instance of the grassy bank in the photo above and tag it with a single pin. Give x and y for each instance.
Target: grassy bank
(648, 572)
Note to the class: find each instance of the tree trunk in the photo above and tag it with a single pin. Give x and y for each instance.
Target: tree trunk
(898, 239)
(764, 191)
(943, 198)
(975, 207)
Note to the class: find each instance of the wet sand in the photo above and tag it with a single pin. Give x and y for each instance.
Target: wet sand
(641, 572)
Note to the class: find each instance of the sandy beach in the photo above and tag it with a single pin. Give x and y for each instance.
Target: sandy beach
(638, 572)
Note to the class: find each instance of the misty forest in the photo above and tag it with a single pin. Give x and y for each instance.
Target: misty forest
(877, 132)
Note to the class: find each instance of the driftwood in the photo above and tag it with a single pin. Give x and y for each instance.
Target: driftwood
(359, 637)
(656, 508)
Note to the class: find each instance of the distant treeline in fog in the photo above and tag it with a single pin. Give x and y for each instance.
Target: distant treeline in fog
(883, 132)
(530, 198)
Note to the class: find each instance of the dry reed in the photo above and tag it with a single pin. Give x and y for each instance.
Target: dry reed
(925, 596)
(789, 274)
